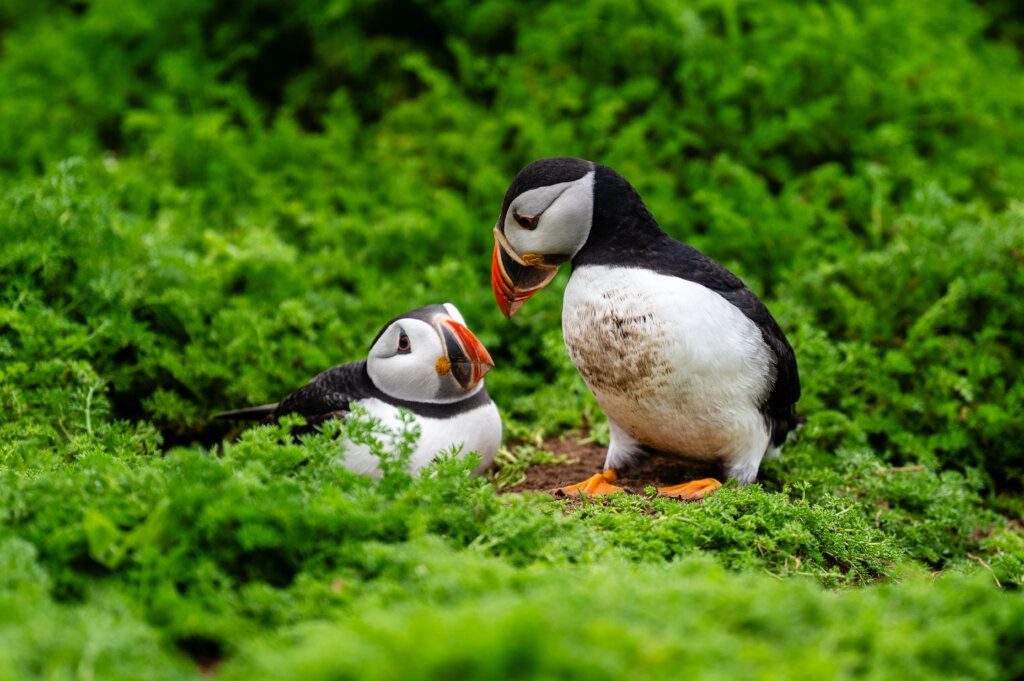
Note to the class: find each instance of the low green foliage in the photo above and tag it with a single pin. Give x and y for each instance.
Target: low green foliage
(252, 554)
(204, 204)
(103, 638)
(687, 618)
(746, 528)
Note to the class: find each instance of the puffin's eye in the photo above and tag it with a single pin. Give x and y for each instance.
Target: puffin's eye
(404, 346)
(524, 221)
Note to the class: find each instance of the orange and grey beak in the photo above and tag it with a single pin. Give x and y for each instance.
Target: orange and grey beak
(464, 355)
(516, 278)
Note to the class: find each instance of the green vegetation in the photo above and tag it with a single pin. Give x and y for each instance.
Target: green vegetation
(204, 204)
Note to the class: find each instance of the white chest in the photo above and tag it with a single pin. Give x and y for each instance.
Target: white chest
(478, 430)
(672, 363)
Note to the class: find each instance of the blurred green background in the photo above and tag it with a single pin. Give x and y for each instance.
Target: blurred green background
(202, 204)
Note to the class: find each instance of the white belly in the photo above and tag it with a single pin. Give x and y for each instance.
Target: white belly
(672, 363)
(478, 430)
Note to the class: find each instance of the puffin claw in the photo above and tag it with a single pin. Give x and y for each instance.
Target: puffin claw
(690, 491)
(598, 484)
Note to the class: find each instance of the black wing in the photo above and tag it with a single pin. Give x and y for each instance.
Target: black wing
(327, 395)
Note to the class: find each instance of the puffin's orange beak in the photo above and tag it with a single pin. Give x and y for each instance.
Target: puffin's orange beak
(509, 298)
(468, 359)
(514, 280)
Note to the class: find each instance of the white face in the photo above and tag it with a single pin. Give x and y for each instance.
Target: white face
(553, 220)
(404, 362)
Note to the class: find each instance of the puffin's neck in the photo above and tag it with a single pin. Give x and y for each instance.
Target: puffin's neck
(623, 230)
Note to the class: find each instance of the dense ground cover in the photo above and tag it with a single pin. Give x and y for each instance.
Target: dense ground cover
(203, 204)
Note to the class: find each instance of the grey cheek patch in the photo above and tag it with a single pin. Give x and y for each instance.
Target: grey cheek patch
(564, 215)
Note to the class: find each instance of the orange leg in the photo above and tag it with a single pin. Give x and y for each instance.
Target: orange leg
(690, 491)
(596, 485)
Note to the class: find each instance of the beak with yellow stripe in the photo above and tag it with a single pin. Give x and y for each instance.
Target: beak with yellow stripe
(465, 357)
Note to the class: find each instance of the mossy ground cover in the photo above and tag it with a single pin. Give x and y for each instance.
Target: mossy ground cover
(202, 205)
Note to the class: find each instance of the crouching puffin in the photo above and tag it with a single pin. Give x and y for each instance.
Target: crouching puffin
(426, 361)
(682, 357)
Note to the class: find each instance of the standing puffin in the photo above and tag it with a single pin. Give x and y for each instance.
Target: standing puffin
(426, 361)
(682, 357)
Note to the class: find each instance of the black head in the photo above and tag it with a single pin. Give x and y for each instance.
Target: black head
(427, 313)
(544, 173)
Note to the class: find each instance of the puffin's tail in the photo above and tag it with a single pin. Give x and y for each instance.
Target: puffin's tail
(248, 414)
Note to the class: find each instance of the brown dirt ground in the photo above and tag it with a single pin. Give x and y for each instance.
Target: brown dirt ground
(586, 459)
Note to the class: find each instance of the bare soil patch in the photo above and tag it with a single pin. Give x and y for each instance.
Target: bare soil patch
(587, 458)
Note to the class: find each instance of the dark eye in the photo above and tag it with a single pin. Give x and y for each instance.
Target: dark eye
(524, 221)
(404, 346)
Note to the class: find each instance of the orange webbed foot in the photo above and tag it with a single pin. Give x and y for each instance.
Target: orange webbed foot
(596, 485)
(691, 491)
